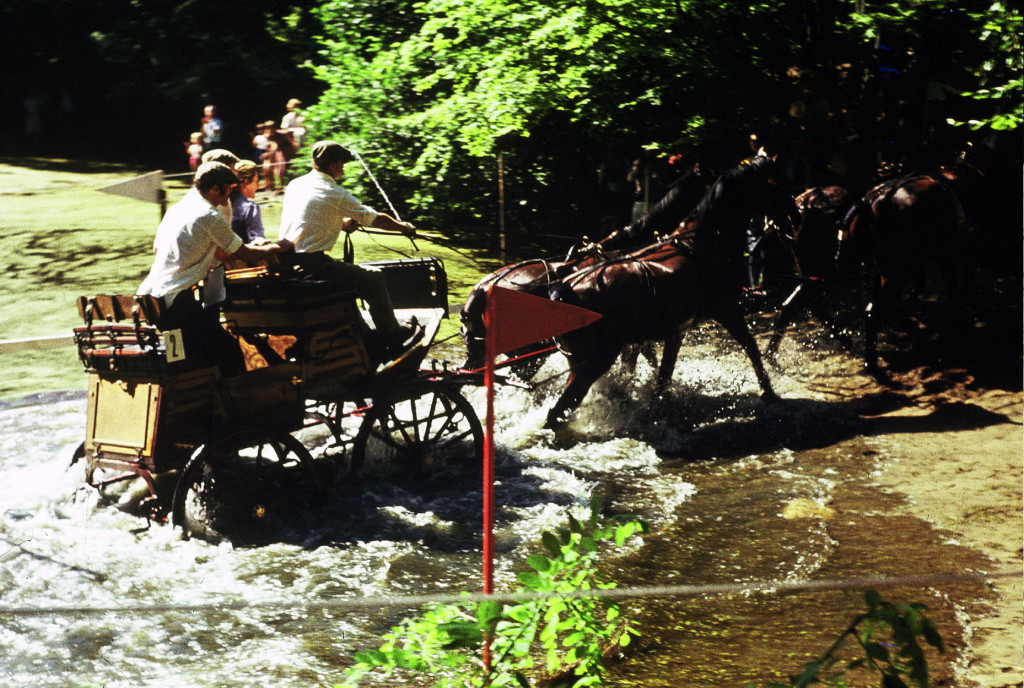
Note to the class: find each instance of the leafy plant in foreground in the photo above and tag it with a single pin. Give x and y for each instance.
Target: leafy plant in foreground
(566, 632)
(900, 658)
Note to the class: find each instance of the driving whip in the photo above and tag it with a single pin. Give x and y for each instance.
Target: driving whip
(387, 200)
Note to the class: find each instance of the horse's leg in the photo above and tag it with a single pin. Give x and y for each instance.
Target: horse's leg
(736, 326)
(827, 318)
(786, 316)
(582, 376)
(630, 355)
(958, 286)
(871, 323)
(669, 356)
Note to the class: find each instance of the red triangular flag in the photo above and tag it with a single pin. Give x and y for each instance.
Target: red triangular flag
(514, 319)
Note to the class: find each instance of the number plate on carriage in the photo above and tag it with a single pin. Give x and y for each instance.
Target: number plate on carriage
(174, 345)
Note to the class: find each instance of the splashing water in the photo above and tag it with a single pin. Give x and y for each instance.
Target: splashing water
(63, 543)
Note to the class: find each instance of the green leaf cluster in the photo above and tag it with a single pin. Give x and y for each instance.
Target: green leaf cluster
(888, 635)
(557, 630)
(1000, 77)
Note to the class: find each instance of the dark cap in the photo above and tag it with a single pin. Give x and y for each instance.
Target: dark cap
(209, 174)
(326, 152)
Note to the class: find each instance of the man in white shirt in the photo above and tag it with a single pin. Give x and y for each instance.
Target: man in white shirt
(316, 210)
(185, 250)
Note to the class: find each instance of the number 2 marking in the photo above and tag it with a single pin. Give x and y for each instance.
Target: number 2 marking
(174, 344)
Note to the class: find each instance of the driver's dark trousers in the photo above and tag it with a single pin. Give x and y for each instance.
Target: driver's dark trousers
(205, 341)
(367, 281)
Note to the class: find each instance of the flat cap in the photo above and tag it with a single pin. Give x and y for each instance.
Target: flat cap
(326, 152)
(210, 174)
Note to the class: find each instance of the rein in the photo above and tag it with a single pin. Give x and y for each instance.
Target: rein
(637, 257)
(501, 274)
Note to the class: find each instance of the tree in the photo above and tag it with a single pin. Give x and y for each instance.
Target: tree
(440, 88)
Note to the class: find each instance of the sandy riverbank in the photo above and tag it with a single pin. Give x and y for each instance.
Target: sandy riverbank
(969, 483)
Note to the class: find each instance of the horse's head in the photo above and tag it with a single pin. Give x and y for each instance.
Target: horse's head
(473, 330)
(739, 196)
(532, 277)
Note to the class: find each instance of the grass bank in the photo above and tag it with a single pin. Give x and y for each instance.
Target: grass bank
(60, 237)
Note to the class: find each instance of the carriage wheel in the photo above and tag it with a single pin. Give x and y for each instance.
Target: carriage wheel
(250, 486)
(417, 430)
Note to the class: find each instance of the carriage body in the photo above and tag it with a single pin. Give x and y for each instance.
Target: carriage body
(140, 415)
(310, 357)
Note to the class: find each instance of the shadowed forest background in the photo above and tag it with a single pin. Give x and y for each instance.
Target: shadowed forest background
(568, 95)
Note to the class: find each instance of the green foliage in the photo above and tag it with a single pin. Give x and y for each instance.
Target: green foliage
(559, 630)
(1001, 76)
(468, 79)
(888, 637)
(435, 90)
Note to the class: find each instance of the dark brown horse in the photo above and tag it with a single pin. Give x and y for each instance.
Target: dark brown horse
(664, 218)
(540, 276)
(656, 292)
(907, 226)
(894, 234)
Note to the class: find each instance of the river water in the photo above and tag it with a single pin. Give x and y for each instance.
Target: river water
(734, 490)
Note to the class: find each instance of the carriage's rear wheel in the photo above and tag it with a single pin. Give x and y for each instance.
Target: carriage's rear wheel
(250, 486)
(416, 431)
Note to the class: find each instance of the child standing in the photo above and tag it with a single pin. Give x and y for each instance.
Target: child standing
(195, 150)
(261, 144)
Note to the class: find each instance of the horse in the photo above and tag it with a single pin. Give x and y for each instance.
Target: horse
(654, 293)
(537, 276)
(540, 276)
(896, 230)
(904, 226)
(814, 248)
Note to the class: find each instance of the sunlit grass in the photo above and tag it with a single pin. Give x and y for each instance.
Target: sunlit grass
(60, 237)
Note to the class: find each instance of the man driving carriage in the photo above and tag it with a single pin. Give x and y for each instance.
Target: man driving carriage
(316, 210)
(186, 245)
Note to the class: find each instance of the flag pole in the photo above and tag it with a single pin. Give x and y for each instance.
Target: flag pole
(513, 319)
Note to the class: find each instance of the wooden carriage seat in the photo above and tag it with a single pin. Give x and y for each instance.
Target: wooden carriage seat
(119, 333)
(278, 319)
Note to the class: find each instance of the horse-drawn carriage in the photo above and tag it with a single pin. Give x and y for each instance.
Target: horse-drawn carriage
(227, 445)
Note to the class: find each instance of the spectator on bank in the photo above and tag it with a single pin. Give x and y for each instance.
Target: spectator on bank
(260, 145)
(292, 122)
(212, 128)
(195, 150)
(279, 151)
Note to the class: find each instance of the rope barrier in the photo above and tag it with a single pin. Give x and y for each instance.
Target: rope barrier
(410, 601)
(59, 341)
